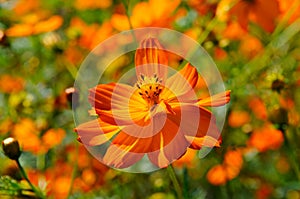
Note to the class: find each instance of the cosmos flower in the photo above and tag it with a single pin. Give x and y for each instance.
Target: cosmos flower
(262, 12)
(152, 13)
(158, 117)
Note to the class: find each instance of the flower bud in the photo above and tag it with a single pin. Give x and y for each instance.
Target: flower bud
(72, 96)
(11, 148)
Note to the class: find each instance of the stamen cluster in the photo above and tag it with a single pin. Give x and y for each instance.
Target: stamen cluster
(150, 88)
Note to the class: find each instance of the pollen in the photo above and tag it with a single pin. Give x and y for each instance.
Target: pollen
(149, 88)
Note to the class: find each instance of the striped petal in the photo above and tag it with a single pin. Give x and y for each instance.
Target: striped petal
(118, 104)
(96, 132)
(181, 85)
(150, 59)
(219, 99)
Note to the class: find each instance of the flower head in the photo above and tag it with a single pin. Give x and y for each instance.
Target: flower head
(159, 117)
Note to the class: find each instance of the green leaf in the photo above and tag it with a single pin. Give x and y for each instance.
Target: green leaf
(10, 188)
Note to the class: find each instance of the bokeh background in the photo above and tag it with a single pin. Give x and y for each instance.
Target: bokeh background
(255, 45)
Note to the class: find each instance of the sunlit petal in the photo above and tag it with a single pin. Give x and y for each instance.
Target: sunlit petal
(199, 142)
(96, 132)
(120, 158)
(118, 103)
(170, 151)
(151, 59)
(219, 99)
(181, 85)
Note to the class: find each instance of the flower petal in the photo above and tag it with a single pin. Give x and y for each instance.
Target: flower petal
(241, 11)
(216, 100)
(96, 132)
(198, 142)
(151, 58)
(196, 122)
(170, 151)
(180, 85)
(120, 158)
(118, 104)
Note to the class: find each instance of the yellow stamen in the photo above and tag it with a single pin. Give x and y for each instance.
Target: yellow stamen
(149, 89)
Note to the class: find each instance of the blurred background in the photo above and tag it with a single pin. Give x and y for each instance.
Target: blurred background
(255, 45)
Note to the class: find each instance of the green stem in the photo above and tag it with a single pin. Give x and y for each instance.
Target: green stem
(126, 5)
(36, 191)
(291, 153)
(74, 172)
(72, 69)
(283, 23)
(175, 181)
(207, 30)
(185, 183)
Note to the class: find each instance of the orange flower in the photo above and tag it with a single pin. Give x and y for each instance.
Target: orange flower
(9, 84)
(266, 138)
(26, 6)
(233, 163)
(234, 31)
(186, 159)
(287, 5)
(250, 46)
(145, 14)
(90, 35)
(53, 137)
(5, 126)
(217, 175)
(151, 117)
(26, 132)
(264, 191)
(262, 12)
(29, 28)
(219, 53)
(258, 107)
(91, 4)
(202, 6)
(238, 118)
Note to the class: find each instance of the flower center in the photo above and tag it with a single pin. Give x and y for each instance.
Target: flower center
(149, 89)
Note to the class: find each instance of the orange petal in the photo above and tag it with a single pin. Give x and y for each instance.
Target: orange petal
(266, 17)
(133, 144)
(120, 22)
(216, 100)
(190, 73)
(51, 24)
(96, 132)
(19, 30)
(100, 96)
(217, 175)
(181, 85)
(170, 149)
(144, 139)
(151, 58)
(199, 142)
(187, 115)
(118, 103)
(241, 11)
(120, 158)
